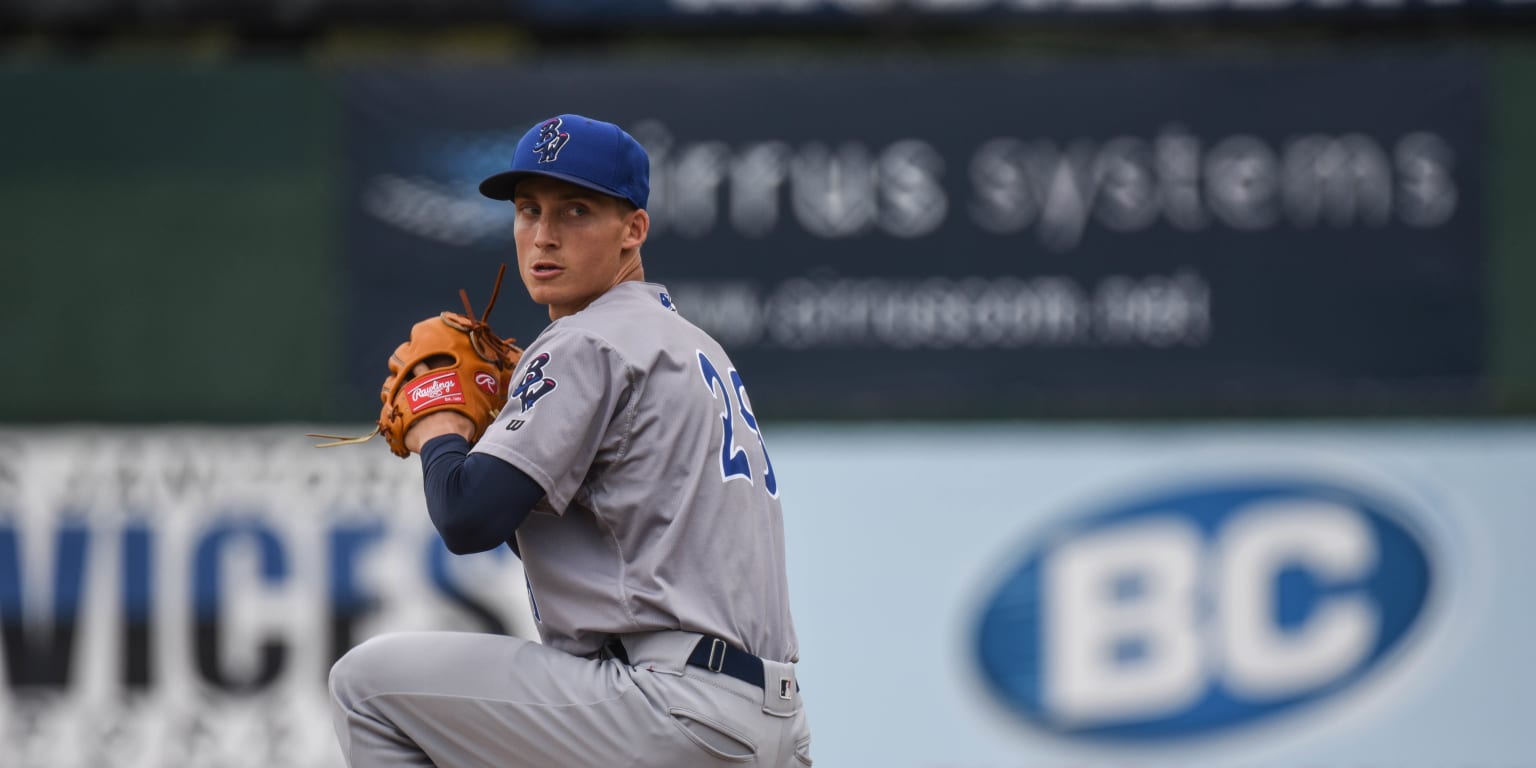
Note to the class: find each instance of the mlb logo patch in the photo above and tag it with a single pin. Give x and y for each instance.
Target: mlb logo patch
(434, 390)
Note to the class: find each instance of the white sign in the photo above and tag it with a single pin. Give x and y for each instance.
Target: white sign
(173, 598)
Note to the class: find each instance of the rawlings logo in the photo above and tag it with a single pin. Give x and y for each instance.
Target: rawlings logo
(432, 391)
(535, 385)
(551, 140)
(486, 382)
(436, 389)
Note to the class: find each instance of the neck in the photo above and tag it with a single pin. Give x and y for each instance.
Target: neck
(630, 270)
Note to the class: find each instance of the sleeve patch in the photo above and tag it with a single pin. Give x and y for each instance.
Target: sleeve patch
(535, 383)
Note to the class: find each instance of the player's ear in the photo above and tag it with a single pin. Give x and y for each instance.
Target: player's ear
(637, 224)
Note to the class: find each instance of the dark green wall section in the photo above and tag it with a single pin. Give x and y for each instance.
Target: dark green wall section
(168, 242)
(1513, 236)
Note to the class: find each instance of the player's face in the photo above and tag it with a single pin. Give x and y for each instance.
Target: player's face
(574, 244)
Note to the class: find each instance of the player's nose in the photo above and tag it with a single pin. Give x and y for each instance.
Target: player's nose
(544, 234)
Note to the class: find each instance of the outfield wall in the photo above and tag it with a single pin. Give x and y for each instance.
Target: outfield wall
(1283, 232)
(1223, 595)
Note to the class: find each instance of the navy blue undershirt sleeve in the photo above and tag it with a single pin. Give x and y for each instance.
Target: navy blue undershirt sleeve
(476, 501)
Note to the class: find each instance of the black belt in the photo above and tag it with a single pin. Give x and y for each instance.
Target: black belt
(712, 654)
(716, 655)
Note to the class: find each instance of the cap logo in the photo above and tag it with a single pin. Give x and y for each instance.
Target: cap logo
(551, 140)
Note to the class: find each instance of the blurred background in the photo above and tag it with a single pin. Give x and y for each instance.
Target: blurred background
(1150, 381)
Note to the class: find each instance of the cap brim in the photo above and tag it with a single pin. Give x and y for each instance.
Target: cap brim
(504, 184)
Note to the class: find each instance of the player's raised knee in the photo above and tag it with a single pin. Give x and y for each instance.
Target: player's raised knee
(372, 666)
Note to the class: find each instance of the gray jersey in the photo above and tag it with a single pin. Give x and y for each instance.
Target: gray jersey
(661, 509)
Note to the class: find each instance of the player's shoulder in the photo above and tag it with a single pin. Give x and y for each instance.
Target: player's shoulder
(630, 301)
(629, 315)
(629, 321)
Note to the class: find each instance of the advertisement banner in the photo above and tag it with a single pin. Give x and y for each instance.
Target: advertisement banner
(1233, 596)
(1222, 596)
(175, 598)
(919, 239)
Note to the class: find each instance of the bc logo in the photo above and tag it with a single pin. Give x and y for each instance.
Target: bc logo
(535, 385)
(551, 140)
(1203, 609)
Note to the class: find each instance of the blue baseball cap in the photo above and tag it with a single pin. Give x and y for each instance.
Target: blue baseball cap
(590, 153)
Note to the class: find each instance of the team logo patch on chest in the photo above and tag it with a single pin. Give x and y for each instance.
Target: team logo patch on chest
(535, 384)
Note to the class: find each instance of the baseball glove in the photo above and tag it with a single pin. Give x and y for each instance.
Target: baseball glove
(468, 369)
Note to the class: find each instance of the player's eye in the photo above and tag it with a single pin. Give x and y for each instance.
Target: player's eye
(576, 209)
(527, 209)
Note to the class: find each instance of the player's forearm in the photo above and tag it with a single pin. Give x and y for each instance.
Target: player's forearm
(476, 501)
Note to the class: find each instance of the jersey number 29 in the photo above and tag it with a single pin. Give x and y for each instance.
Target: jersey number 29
(733, 458)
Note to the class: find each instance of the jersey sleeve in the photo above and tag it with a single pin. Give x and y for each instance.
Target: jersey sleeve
(565, 392)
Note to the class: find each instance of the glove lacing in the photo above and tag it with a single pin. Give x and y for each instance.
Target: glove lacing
(490, 347)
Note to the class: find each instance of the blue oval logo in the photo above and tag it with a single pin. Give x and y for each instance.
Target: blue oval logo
(1202, 609)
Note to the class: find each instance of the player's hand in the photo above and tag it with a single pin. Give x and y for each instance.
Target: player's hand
(436, 425)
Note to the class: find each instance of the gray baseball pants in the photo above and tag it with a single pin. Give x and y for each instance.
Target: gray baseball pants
(462, 700)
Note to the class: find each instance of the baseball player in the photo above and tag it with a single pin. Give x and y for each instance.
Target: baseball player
(628, 471)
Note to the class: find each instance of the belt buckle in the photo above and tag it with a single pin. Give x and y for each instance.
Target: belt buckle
(716, 649)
